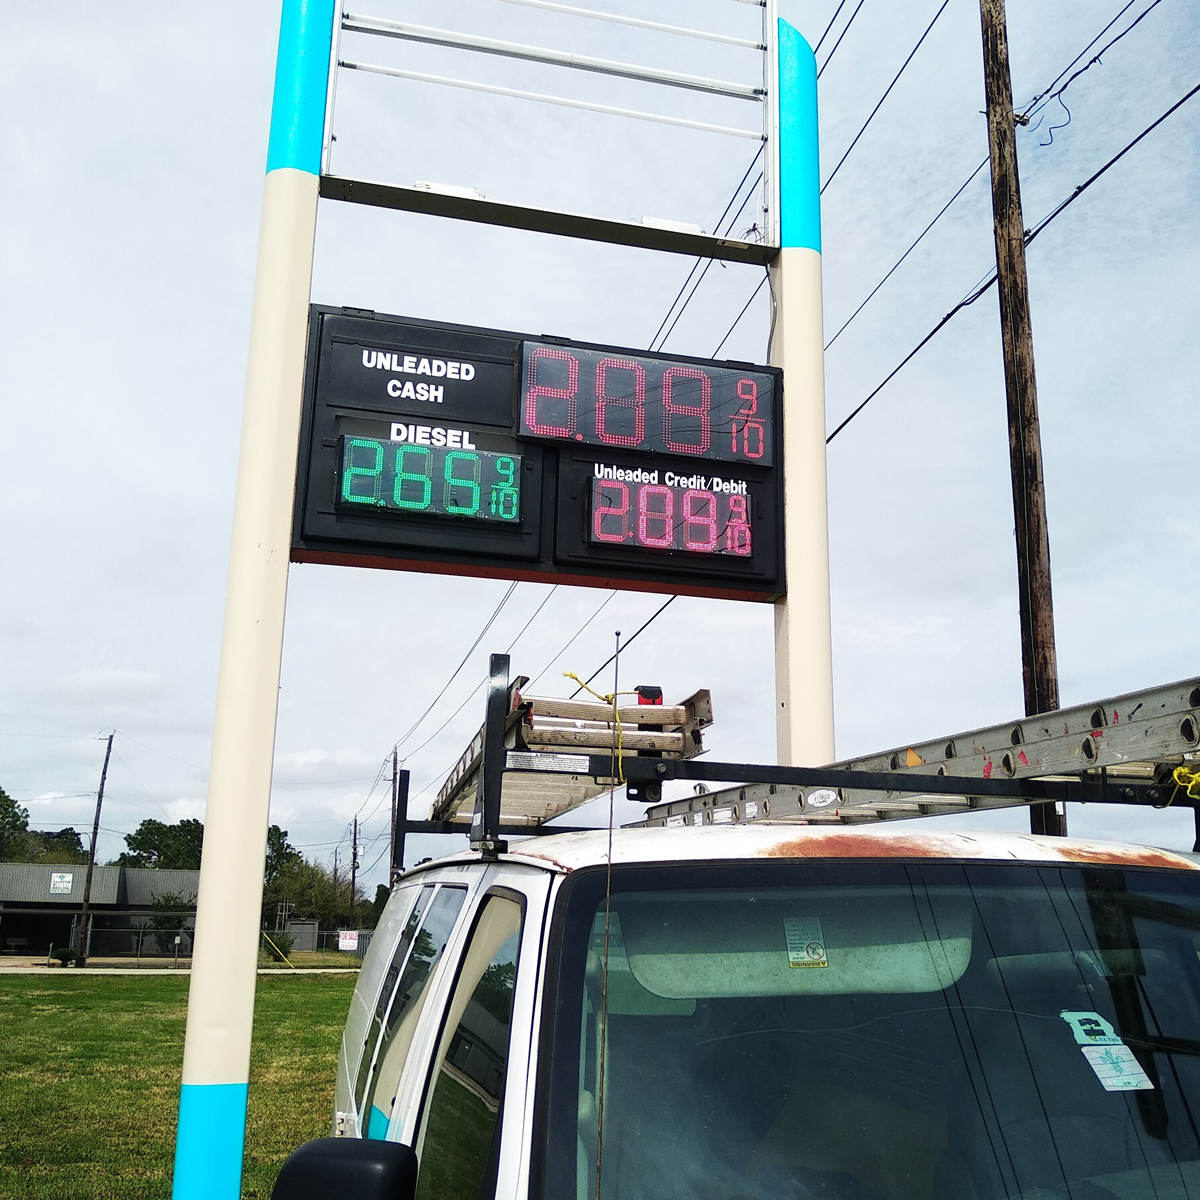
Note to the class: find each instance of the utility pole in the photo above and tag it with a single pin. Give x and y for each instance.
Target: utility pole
(81, 933)
(1038, 659)
(395, 792)
(353, 870)
(398, 826)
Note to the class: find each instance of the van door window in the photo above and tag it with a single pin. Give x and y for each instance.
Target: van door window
(426, 948)
(462, 1130)
(386, 991)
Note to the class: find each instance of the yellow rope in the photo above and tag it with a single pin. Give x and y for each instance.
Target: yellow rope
(608, 698)
(1187, 779)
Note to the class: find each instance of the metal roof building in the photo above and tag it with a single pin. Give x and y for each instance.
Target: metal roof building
(40, 902)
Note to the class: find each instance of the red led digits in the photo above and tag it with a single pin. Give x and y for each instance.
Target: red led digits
(619, 399)
(693, 420)
(754, 439)
(656, 516)
(737, 530)
(622, 400)
(535, 391)
(699, 510)
(610, 500)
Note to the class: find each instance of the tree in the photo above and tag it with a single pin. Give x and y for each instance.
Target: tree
(14, 827)
(169, 914)
(382, 892)
(311, 893)
(154, 844)
(280, 852)
(57, 846)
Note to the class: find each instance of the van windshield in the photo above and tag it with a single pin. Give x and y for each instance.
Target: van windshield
(874, 1031)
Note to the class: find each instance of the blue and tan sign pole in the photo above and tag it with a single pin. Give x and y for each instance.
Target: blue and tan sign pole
(216, 1058)
(803, 647)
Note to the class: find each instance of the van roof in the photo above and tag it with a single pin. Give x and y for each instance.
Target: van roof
(569, 852)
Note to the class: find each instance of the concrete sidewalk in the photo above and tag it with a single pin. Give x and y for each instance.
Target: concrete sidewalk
(37, 966)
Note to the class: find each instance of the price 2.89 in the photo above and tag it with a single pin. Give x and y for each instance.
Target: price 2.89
(660, 517)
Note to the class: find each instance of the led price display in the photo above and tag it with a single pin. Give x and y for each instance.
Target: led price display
(634, 402)
(429, 480)
(660, 516)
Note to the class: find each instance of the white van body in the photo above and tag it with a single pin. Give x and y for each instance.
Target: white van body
(780, 1011)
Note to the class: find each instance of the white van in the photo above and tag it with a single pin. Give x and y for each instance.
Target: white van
(775, 1013)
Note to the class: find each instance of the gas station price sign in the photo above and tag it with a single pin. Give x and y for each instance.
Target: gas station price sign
(471, 451)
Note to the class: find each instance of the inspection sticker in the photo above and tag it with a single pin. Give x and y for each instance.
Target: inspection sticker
(805, 942)
(1113, 1061)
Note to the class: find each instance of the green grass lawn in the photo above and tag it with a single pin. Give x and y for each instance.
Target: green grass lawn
(90, 1072)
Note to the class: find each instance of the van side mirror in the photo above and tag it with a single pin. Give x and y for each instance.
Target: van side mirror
(334, 1168)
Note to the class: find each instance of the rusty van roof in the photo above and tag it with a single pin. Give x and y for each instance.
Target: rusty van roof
(572, 851)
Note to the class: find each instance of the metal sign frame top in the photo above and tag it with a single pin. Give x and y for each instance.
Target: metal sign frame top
(461, 204)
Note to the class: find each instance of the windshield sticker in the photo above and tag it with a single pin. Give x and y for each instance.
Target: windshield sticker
(805, 942)
(1091, 1029)
(1115, 1066)
(1117, 1069)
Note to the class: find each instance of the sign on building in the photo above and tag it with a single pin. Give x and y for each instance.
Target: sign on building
(60, 882)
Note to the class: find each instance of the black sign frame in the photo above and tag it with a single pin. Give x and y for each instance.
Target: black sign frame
(363, 376)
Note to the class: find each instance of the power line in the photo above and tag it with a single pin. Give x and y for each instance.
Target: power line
(570, 641)
(1059, 77)
(1034, 106)
(896, 266)
(1057, 93)
(645, 624)
(887, 92)
(707, 268)
(832, 22)
(1029, 236)
(846, 30)
(745, 308)
(708, 262)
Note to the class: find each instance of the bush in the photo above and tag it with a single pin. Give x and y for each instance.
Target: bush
(65, 955)
(279, 946)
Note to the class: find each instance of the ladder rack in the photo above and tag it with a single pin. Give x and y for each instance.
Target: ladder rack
(535, 759)
(1125, 746)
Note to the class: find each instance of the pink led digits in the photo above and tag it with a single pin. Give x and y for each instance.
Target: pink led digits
(753, 437)
(622, 400)
(536, 391)
(699, 510)
(682, 417)
(737, 529)
(662, 537)
(617, 494)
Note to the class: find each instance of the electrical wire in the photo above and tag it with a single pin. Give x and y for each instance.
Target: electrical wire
(1057, 93)
(717, 226)
(1029, 236)
(571, 641)
(745, 309)
(832, 22)
(1031, 109)
(625, 645)
(887, 92)
(896, 266)
(846, 30)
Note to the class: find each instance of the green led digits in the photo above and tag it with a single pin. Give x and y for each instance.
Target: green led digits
(460, 502)
(504, 503)
(406, 457)
(355, 475)
(432, 481)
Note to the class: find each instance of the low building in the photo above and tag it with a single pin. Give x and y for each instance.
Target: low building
(40, 906)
